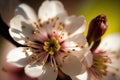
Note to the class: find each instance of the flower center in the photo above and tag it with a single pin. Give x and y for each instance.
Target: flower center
(51, 46)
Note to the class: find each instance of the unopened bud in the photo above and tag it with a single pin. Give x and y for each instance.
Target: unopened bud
(97, 28)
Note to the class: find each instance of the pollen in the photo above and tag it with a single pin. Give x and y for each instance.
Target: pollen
(23, 27)
(39, 20)
(51, 46)
(73, 49)
(82, 46)
(68, 51)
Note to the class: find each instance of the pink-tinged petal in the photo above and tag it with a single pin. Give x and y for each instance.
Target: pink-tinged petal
(80, 77)
(70, 65)
(75, 25)
(27, 12)
(17, 57)
(50, 9)
(20, 29)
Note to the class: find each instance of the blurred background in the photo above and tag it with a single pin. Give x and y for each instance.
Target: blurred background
(88, 8)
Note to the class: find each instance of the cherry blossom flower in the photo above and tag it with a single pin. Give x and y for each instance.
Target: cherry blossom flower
(51, 41)
(102, 63)
(106, 60)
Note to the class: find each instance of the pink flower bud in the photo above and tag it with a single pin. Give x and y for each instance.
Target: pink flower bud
(97, 28)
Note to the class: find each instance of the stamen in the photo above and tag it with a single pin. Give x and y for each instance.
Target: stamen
(53, 25)
(82, 46)
(61, 26)
(68, 51)
(51, 61)
(55, 63)
(54, 32)
(23, 27)
(25, 51)
(76, 46)
(39, 57)
(63, 58)
(69, 33)
(73, 49)
(57, 18)
(100, 65)
(33, 32)
(39, 20)
(45, 59)
(52, 19)
(47, 22)
(36, 25)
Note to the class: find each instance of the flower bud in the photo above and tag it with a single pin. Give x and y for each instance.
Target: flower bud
(97, 28)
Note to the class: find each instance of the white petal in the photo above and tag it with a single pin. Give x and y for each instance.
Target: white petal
(34, 70)
(71, 65)
(88, 59)
(17, 57)
(80, 77)
(16, 22)
(50, 9)
(26, 11)
(114, 66)
(49, 73)
(111, 42)
(79, 39)
(74, 49)
(20, 29)
(75, 25)
(80, 53)
(41, 72)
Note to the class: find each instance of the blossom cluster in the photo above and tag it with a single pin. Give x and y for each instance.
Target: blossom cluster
(53, 44)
